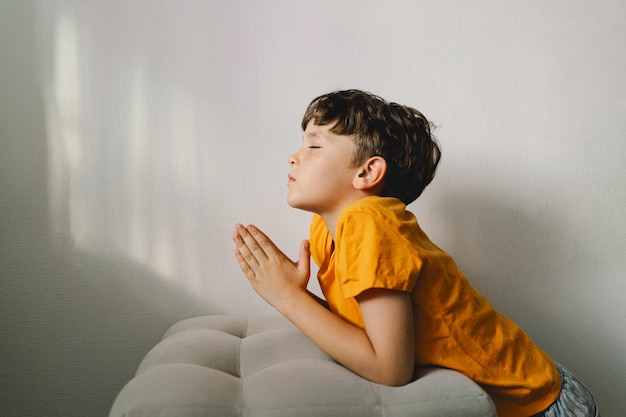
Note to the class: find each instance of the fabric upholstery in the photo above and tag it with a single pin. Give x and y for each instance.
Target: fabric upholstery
(265, 367)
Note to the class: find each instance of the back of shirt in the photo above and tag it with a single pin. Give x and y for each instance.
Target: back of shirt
(378, 244)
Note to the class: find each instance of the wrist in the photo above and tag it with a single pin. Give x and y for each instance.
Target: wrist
(293, 302)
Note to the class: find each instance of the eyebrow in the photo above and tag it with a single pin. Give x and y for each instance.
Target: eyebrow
(311, 135)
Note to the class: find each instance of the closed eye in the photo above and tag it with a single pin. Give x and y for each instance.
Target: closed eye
(314, 147)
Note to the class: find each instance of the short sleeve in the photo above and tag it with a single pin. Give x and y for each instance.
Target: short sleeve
(371, 253)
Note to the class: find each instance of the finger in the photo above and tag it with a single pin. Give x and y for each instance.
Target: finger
(265, 243)
(255, 240)
(243, 264)
(244, 252)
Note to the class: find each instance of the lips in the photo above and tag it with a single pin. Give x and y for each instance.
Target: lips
(290, 179)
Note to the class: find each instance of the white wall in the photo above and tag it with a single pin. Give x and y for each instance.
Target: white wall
(135, 134)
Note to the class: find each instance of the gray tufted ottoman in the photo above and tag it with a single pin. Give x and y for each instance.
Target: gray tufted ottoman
(233, 366)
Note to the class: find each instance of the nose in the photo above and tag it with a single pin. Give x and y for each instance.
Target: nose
(292, 159)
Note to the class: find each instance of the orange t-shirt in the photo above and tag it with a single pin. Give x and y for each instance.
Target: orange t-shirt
(378, 244)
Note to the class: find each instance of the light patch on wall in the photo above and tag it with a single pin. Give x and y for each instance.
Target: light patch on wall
(65, 144)
(126, 166)
(136, 148)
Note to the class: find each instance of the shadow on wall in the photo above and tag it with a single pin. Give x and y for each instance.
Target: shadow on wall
(74, 325)
(530, 264)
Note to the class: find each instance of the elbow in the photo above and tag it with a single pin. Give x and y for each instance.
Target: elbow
(399, 382)
(394, 382)
(395, 378)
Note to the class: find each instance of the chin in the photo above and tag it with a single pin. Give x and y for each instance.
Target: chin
(293, 203)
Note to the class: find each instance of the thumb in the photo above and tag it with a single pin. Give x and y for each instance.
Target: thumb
(304, 260)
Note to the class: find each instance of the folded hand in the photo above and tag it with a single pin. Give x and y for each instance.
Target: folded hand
(271, 273)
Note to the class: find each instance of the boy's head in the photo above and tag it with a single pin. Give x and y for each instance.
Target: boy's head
(399, 134)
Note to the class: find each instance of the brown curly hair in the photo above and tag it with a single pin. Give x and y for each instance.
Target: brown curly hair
(399, 134)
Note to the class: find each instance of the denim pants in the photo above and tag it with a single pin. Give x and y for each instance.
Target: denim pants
(575, 399)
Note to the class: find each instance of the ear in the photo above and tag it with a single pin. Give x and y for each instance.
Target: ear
(371, 174)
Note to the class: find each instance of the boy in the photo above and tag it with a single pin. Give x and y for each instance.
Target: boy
(394, 300)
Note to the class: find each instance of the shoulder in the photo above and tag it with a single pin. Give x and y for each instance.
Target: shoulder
(380, 212)
(375, 204)
(376, 247)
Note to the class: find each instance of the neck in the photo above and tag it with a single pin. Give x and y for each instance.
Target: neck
(331, 223)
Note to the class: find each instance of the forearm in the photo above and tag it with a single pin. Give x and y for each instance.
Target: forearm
(319, 300)
(346, 343)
